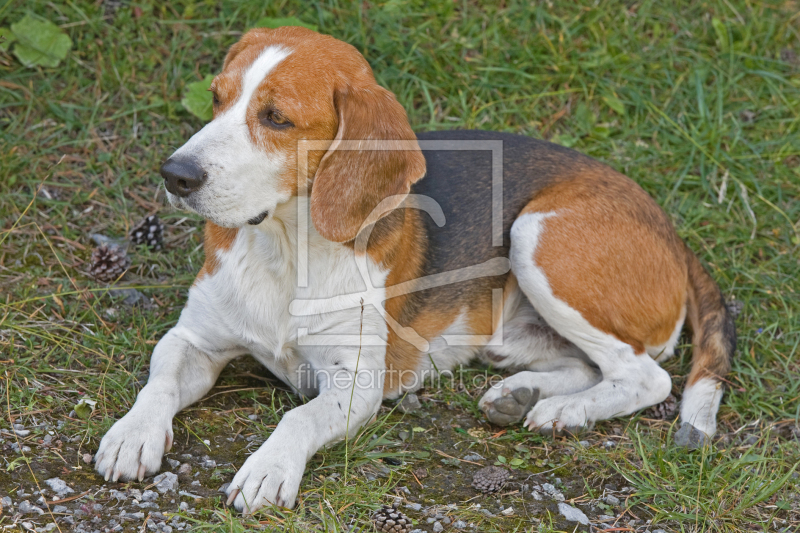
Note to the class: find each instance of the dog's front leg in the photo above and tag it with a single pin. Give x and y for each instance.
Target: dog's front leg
(180, 374)
(273, 473)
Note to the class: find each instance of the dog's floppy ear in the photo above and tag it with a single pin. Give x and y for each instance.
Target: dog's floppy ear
(349, 184)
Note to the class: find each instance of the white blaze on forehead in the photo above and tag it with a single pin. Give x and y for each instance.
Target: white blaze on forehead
(243, 178)
(267, 60)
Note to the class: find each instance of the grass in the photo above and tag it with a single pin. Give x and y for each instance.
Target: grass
(698, 101)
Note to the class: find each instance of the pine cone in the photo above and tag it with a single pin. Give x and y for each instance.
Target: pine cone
(665, 410)
(490, 479)
(389, 520)
(150, 232)
(109, 262)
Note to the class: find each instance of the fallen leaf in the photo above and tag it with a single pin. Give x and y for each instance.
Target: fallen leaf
(40, 42)
(198, 100)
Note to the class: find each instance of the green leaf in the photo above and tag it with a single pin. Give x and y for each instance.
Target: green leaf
(84, 408)
(268, 22)
(6, 38)
(783, 506)
(722, 33)
(198, 100)
(40, 42)
(501, 459)
(516, 461)
(615, 104)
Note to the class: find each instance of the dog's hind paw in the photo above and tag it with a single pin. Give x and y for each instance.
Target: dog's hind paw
(504, 407)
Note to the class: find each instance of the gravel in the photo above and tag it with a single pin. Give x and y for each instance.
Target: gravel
(59, 486)
(149, 496)
(166, 481)
(573, 514)
(410, 403)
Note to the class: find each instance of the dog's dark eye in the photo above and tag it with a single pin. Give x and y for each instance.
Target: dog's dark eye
(272, 118)
(215, 98)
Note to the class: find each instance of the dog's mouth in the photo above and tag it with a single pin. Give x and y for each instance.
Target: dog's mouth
(255, 221)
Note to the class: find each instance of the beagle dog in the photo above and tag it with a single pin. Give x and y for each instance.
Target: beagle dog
(355, 259)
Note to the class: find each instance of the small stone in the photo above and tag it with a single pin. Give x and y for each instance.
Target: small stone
(97, 507)
(166, 482)
(611, 500)
(659, 531)
(459, 524)
(28, 526)
(185, 469)
(474, 457)
(174, 463)
(6, 502)
(508, 511)
(59, 509)
(536, 495)
(414, 506)
(184, 506)
(196, 483)
(87, 458)
(438, 527)
(609, 444)
(252, 417)
(409, 403)
(224, 488)
(573, 514)
(149, 496)
(58, 486)
(585, 443)
(22, 432)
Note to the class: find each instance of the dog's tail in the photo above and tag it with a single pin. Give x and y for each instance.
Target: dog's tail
(714, 340)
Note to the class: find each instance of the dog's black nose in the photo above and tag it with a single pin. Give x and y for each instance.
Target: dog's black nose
(182, 176)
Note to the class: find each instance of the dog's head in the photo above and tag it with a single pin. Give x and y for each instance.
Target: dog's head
(277, 88)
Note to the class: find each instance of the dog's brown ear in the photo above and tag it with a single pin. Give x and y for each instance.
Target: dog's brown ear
(349, 184)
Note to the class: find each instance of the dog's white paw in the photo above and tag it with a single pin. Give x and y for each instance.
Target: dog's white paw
(271, 475)
(560, 413)
(133, 447)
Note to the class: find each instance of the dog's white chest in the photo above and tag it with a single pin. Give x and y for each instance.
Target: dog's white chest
(250, 294)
